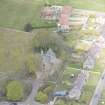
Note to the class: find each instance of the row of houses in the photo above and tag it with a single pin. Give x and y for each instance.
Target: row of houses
(59, 13)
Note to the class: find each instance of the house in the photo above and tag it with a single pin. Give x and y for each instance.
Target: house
(51, 12)
(67, 10)
(64, 24)
(50, 62)
(47, 13)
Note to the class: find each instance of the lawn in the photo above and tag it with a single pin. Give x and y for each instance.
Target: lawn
(17, 13)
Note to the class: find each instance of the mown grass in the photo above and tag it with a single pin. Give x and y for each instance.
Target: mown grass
(17, 13)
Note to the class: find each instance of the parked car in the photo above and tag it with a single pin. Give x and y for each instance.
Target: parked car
(60, 93)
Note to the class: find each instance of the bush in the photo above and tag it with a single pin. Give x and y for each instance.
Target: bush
(41, 97)
(14, 91)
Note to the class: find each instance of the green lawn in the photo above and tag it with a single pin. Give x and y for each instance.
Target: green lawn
(16, 13)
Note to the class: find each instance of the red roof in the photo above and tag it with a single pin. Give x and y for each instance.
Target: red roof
(64, 20)
(67, 10)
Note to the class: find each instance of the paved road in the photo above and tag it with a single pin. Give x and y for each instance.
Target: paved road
(98, 91)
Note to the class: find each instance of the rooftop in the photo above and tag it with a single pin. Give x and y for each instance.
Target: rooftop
(64, 20)
(66, 10)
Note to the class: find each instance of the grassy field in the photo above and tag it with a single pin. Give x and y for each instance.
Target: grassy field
(17, 13)
(14, 49)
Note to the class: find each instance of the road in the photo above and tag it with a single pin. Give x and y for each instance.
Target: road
(35, 86)
(98, 91)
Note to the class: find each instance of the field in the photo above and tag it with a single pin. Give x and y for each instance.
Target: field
(17, 13)
(14, 50)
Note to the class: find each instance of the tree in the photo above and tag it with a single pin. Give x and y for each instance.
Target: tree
(33, 63)
(14, 91)
(60, 102)
(28, 27)
(45, 40)
(41, 97)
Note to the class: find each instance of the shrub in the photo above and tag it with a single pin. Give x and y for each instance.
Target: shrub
(28, 27)
(41, 97)
(14, 91)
